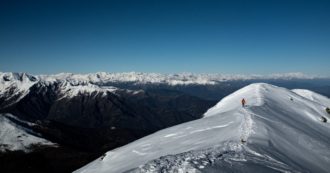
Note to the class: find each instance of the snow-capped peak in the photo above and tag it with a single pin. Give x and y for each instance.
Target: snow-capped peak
(23, 77)
(149, 78)
(72, 90)
(15, 85)
(278, 130)
(169, 79)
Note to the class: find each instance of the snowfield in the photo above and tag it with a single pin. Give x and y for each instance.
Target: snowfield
(278, 131)
(15, 137)
(325, 101)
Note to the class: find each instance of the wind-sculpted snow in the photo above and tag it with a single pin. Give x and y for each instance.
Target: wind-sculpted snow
(178, 139)
(277, 131)
(230, 157)
(318, 98)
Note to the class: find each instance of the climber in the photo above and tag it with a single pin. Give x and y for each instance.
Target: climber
(243, 102)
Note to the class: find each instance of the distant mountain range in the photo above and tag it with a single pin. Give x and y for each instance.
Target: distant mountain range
(102, 78)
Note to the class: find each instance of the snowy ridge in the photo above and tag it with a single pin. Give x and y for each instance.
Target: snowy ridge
(15, 85)
(280, 130)
(70, 90)
(230, 102)
(169, 79)
(15, 137)
(325, 101)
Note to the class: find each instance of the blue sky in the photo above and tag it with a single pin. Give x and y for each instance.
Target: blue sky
(198, 36)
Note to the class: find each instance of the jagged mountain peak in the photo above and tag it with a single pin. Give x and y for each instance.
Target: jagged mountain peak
(22, 77)
(153, 78)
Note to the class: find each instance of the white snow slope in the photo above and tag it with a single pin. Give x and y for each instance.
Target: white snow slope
(15, 137)
(282, 135)
(313, 96)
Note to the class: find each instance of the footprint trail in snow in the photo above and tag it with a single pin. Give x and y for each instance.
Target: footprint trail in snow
(246, 126)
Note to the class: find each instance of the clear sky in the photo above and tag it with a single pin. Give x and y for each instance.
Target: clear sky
(165, 36)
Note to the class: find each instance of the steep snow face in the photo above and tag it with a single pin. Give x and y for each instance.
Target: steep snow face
(278, 130)
(21, 81)
(313, 96)
(14, 86)
(15, 137)
(70, 90)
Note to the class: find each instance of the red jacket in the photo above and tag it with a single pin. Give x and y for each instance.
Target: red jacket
(243, 101)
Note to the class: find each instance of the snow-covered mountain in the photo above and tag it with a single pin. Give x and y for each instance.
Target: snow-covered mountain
(169, 79)
(278, 131)
(16, 137)
(146, 78)
(14, 86)
(91, 115)
(102, 111)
